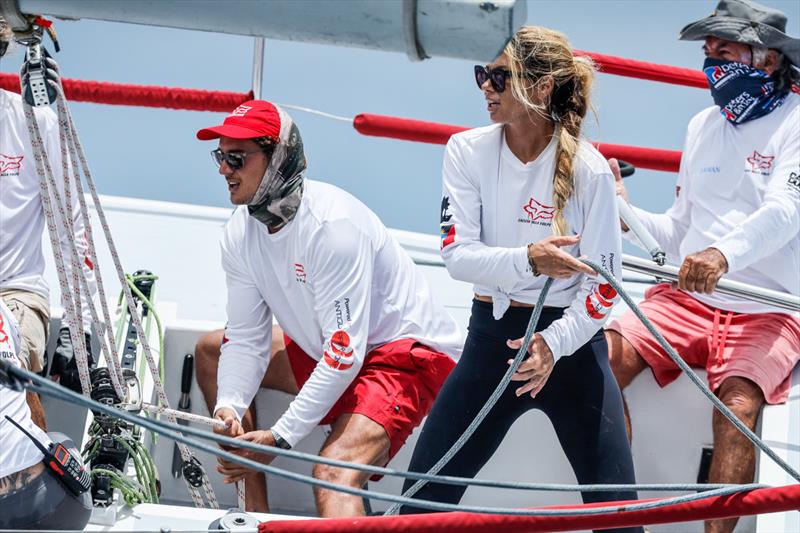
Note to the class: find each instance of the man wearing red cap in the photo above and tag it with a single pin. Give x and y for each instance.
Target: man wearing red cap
(737, 212)
(363, 345)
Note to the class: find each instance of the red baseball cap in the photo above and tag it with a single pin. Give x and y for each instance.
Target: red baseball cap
(255, 118)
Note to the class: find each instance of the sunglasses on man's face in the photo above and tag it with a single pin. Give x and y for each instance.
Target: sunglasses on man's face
(235, 158)
(497, 76)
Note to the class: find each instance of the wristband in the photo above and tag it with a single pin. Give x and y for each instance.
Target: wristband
(280, 442)
(535, 270)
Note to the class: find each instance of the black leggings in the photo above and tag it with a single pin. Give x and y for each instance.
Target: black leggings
(581, 398)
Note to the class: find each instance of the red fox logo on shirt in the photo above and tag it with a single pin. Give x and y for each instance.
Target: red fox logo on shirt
(338, 353)
(599, 302)
(760, 162)
(10, 162)
(538, 211)
(3, 334)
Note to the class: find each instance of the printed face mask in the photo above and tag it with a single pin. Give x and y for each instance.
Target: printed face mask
(742, 92)
(278, 197)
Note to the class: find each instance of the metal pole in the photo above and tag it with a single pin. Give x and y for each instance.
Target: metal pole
(258, 66)
(732, 288)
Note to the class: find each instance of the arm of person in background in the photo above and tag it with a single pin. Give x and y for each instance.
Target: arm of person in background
(591, 307)
(764, 232)
(669, 228)
(469, 259)
(247, 342)
(341, 278)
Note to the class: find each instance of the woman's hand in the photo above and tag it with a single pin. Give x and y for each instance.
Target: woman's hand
(536, 368)
(554, 262)
(233, 471)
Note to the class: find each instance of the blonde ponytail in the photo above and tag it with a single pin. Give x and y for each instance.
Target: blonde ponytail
(535, 53)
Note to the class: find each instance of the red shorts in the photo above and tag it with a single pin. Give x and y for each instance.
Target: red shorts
(763, 347)
(395, 387)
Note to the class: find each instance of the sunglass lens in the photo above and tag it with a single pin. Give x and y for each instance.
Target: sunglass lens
(499, 80)
(216, 155)
(235, 161)
(480, 75)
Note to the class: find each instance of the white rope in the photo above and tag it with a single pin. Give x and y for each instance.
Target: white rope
(203, 420)
(104, 332)
(47, 186)
(73, 311)
(317, 112)
(76, 150)
(183, 415)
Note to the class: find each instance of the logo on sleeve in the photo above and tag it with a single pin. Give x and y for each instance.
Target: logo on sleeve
(794, 181)
(599, 302)
(10, 165)
(537, 213)
(300, 273)
(338, 354)
(448, 229)
(759, 164)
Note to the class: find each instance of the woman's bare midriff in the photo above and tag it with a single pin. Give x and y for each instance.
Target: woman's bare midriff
(514, 303)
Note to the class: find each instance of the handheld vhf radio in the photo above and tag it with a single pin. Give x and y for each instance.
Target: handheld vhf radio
(61, 463)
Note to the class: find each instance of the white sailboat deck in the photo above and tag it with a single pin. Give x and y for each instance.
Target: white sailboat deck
(179, 243)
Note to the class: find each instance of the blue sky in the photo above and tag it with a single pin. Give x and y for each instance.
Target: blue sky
(149, 153)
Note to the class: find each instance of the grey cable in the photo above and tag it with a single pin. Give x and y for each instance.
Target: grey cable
(498, 391)
(721, 407)
(52, 389)
(383, 471)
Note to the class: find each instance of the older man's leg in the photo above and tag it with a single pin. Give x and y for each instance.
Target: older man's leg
(355, 438)
(279, 376)
(626, 364)
(734, 459)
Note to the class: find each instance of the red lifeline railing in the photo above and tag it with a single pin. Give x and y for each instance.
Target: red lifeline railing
(379, 125)
(436, 133)
(768, 500)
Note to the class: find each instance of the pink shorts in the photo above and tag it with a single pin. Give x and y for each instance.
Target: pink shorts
(395, 387)
(763, 348)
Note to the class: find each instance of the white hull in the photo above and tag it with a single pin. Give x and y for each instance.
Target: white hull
(179, 243)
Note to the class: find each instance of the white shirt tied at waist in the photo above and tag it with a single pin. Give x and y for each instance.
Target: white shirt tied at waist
(494, 205)
(738, 191)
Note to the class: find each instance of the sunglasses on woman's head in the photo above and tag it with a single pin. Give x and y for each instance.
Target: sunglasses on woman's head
(497, 76)
(235, 158)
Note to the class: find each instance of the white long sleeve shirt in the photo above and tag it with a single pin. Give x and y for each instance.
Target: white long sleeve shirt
(739, 191)
(338, 284)
(17, 452)
(494, 205)
(21, 215)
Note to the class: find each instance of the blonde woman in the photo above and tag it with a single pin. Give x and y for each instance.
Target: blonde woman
(525, 178)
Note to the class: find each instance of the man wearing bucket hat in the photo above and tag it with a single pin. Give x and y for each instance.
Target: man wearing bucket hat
(362, 343)
(737, 213)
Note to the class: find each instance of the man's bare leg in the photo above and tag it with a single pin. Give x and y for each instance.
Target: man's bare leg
(37, 411)
(354, 438)
(626, 364)
(734, 459)
(279, 376)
